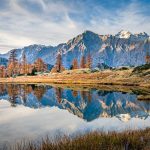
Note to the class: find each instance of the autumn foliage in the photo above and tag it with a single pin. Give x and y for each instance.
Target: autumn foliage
(82, 62)
(89, 61)
(13, 65)
(86, 62)
(16, 67)
(40, 66)
(2, 72)
(58, 65)
(75, 64)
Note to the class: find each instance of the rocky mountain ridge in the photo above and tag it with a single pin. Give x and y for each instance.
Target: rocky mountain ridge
(122, 49)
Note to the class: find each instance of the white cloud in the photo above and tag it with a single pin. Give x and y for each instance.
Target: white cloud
(21, 24)
(24, 27)
(23, 122)
(128, 18)
(15, 41)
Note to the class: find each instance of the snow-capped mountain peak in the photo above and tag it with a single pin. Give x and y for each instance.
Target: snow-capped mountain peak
(124, 117)
(123, 49)
(123, 34)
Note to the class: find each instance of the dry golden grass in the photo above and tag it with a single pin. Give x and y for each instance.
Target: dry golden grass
(118, 80)
(128, 140)
(107, 77)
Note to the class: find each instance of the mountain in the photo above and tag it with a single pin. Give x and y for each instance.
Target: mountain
(32, 52)
(3, 61)
(122, 49)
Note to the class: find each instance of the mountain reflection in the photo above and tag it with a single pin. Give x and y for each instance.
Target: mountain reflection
(86, 104)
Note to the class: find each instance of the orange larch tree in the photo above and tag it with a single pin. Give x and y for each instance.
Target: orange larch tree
(58, 62)
(40, 65)
(24, 68)
(12, 64)
(58, 65)
(83, 62)
(89, 62)
(75, 64)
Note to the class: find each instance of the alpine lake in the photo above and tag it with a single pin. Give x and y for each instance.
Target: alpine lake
(34, 111)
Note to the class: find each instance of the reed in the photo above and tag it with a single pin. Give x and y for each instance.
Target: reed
(127, 140)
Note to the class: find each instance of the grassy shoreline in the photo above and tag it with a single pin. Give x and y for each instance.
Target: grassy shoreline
(133, 140)
(117, 80)
(86, 77)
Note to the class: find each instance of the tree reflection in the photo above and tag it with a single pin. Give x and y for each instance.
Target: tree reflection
(89, 96)
(83, 95)
(58, 92)
(86, 95)
(3, 90)
(74, 93)
(39, 91)
(24, 91)
(13, 91)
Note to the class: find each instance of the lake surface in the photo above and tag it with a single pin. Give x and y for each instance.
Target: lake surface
(34, 111)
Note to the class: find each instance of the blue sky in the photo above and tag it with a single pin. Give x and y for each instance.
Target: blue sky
(50, 22)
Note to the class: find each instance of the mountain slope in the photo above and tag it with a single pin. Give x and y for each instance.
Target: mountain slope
(3, 61)
(122, 49)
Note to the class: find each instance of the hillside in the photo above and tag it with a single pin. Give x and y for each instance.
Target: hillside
(122, 49)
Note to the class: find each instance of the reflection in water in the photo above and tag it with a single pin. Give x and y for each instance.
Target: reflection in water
(74, 93)
(86, 104)
(13, 92)
(58, 92)
(39, 91)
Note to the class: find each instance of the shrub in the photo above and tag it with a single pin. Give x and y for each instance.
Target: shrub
(54, 70)
(124, 68)
(139, 69)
